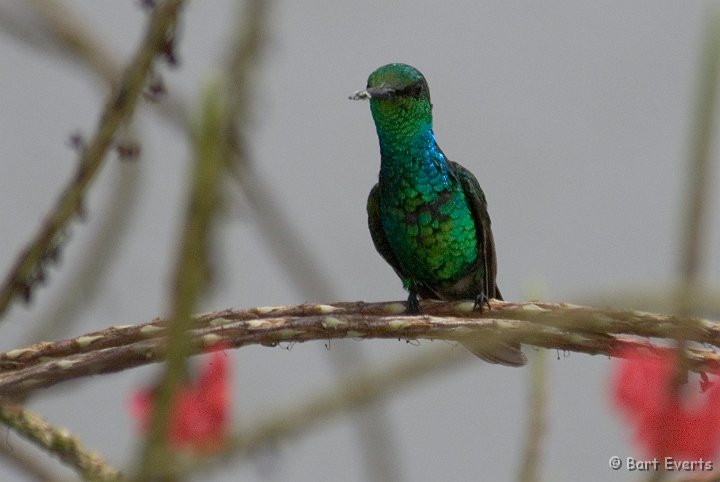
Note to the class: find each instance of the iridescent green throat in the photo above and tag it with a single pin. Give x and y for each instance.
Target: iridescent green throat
(423, 208)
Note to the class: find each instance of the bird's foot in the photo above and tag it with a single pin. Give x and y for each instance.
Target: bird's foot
(413, 305)
(481, 300)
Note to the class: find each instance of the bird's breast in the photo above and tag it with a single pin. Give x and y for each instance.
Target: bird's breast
(430, 230)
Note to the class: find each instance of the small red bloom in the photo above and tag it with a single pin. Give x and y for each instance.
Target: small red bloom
(199, 417)
(667, 423)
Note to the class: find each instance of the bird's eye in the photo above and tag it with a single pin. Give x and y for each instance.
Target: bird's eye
(413, 90)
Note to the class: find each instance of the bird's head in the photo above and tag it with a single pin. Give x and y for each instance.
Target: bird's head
(398, 93)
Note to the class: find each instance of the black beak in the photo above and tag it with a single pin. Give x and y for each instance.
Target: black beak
(373, 93)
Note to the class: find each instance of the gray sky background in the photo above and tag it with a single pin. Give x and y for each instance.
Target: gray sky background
(573, 114)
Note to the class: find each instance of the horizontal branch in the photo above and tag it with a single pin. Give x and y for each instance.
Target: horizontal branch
(560, 326)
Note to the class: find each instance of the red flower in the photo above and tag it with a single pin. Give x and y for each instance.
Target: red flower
(199, 416)
(667, 423)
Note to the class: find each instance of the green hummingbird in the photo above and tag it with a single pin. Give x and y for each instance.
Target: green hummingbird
(427, 214)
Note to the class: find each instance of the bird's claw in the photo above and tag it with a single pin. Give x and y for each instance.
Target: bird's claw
(413, 305)
(481, 300)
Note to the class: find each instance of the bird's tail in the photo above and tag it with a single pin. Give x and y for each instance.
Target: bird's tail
(501, 353)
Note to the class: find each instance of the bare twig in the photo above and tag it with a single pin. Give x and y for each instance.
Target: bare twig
(66, 31)
(59, 442)
(58, 316)
(191, 272)
(243, 54)
(559, 326)
(26, 462)
(699, 175)
(537, 407)
(298, 261)
(695, 207)
(46, 244)
(381, 462)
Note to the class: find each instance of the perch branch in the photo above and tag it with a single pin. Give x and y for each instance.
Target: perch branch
(559, 326)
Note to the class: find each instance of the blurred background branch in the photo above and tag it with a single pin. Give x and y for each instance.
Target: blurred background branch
(699, 174)
(537, 418)
(192, 271)
(54, 28)
(299, 262)
(59, 442)
(29, 269)
(27, 463)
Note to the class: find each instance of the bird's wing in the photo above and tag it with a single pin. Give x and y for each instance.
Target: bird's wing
(508, 354)
(486, 243)
(378, 233)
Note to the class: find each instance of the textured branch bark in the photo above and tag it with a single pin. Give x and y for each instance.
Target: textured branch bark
(58, 441)
(559, 326)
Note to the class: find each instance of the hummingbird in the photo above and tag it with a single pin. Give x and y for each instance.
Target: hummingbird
(428, 215)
